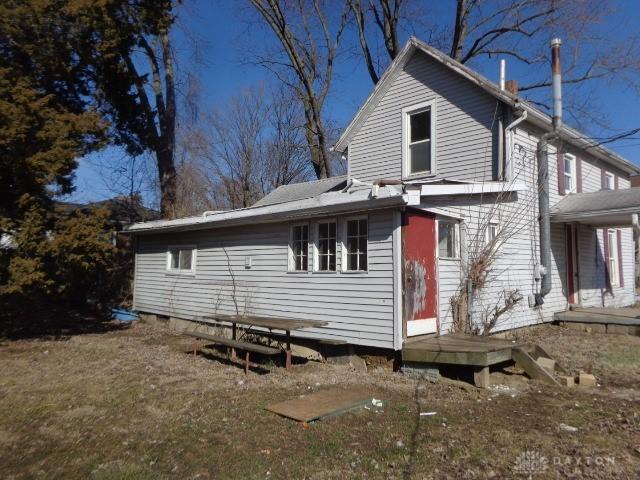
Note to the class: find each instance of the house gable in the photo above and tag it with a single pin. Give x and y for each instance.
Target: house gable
(465, 124)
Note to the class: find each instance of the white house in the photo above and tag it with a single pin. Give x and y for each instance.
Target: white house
(440, 162)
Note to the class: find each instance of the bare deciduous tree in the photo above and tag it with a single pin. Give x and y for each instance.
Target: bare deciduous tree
(385, 14)
(241, 151)
(309, 39)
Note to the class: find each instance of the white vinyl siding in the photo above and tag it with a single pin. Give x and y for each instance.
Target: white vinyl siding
(358, 307)
(465, 130)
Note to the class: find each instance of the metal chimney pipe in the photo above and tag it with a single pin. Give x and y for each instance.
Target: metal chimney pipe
(542, 154)
(557, 82)
(503, 73)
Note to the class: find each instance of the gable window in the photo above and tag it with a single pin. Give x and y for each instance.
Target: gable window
(300, 248)
(419, 151)
(609, 181)
(447, 239)
(356, 238)
(181, 259)
(570, 178)
(614, 276)
(326, 247)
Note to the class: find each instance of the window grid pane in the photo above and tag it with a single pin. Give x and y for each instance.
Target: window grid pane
(301, 247)
(357, 233)
(447, 240)
(327, 246)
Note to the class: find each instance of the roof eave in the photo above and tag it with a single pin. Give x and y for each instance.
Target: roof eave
(269, 215)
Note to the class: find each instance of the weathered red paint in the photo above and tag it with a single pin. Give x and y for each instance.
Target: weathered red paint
(419, 266)
(572, 271)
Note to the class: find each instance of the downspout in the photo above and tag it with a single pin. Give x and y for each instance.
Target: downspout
(542, 154)
(508, 170)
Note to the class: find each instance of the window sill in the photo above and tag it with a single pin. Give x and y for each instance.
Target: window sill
(298, 272)
(324, 272)
(351, 272)
(178, 273)
(419, 176)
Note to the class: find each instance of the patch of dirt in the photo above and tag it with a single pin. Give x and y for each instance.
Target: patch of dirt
(135, 403)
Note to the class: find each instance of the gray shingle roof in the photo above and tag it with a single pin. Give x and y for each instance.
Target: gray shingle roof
(596, 202)
(300, 191)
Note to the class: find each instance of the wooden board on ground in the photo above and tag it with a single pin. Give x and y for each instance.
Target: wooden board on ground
(323, 404)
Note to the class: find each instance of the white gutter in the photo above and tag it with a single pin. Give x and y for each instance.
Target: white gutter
(326, 204)
(472, 188)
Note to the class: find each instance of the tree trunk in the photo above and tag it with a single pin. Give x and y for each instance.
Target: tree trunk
(460, 30)
(167, 176)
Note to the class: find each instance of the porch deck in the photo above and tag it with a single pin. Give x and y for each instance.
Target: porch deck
(615, 316)
(460, 349)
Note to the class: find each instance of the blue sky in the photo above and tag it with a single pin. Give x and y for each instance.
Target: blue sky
(225, 30)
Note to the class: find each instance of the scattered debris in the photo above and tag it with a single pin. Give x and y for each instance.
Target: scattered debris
(568, 428)
(325, 404)
(427, 414)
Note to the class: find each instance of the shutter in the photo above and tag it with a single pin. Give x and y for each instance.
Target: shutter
(605, 243)
(620, 272)
(616, 183)
(603, 181)
(578, 175)
(560, 157)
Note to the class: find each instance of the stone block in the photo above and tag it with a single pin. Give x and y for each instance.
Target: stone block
(587, 380)
(547, 363)
(567, 381)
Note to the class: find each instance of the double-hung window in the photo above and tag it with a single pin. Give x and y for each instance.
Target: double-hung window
(181, 259)
(300, 248)
(419, 150)
(326, 247)
(447, 239)
(570, 178)
(614, 276)
(609, 181)
(491, 233)
(356, 238)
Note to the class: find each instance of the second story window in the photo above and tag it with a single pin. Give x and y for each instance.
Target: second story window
(570, 179)
(609, 181)
(418, 125)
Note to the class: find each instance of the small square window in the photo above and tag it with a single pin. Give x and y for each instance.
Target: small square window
(447, 239)
(181, 259)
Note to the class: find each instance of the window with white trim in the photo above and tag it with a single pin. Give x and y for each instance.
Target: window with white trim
(326, 246)
(447, 239)
(609, 181)
(181, 259)
(418, 124)
(299, 248)
(570, 177)
(614, 276)
(491, 233)
(356, 236)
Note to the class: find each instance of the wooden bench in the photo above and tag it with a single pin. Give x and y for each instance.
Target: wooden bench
(233, 344)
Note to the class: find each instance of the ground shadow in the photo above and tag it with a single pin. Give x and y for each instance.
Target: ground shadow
(260, 364)
(54, 324)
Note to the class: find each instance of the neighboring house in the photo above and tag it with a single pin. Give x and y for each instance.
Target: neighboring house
(440, 162)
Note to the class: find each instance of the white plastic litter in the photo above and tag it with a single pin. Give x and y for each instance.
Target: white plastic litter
(376, 403)
(427, 414)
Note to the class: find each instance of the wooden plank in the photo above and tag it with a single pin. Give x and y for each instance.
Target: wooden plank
(268, 322)
(457, 358)
(323, 404)
(531, 367)
(250, 347)
(538, 352)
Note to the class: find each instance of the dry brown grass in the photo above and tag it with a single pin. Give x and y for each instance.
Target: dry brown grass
(132, 404)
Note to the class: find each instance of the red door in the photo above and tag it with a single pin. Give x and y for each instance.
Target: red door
(572, 265)
(420, 286)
